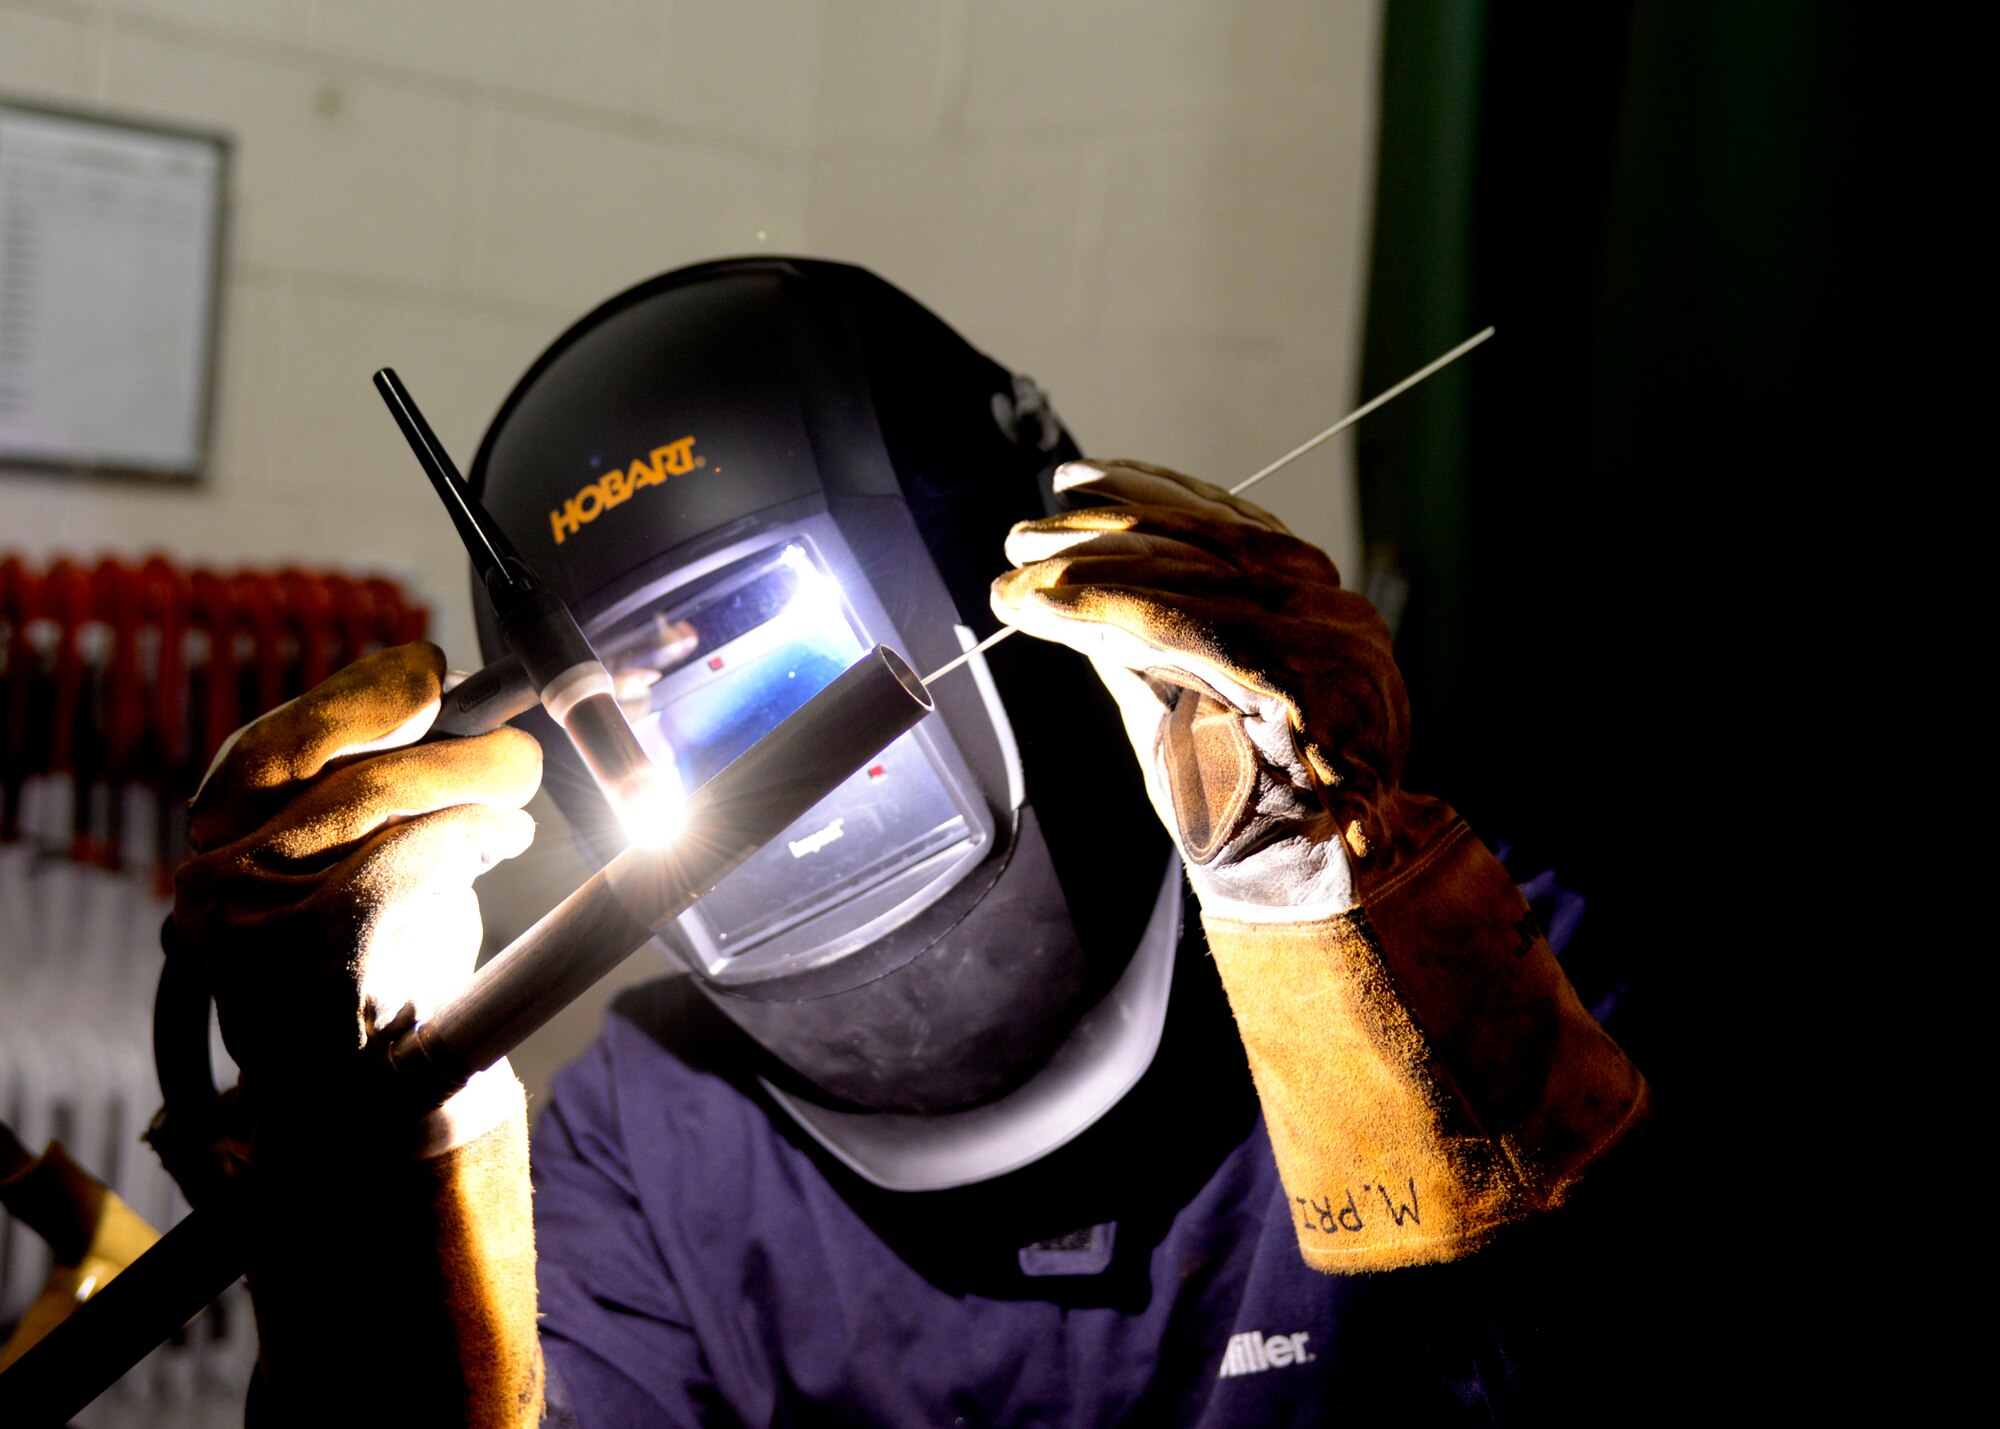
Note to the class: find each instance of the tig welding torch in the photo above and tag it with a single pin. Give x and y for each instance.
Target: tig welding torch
(550, 660)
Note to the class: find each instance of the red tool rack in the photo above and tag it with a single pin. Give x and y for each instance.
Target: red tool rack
(118, 683)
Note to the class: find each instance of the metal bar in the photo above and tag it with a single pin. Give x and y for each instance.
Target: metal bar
(1434, 365)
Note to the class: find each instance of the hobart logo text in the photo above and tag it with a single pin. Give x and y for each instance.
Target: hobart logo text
(1253, 1353)
(616, 487)
(813, 843)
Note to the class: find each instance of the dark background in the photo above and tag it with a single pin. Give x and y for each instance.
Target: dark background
(1645, 534)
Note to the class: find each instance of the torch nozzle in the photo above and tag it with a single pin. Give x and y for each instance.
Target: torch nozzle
(640, 795)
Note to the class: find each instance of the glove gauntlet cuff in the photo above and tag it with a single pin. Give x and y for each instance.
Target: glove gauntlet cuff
(1427, 1073)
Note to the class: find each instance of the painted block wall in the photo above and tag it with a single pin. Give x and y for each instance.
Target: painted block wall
(440, 188)
(1158, 208)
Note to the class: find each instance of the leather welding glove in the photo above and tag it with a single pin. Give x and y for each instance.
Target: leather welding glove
(1427, 1073)
(329, 901)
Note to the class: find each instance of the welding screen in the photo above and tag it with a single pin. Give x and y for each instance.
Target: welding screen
(703, 678)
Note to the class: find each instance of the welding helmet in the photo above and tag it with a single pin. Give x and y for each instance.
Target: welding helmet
(741, 476)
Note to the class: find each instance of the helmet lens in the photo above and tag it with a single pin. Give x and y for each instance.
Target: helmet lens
(704, 674)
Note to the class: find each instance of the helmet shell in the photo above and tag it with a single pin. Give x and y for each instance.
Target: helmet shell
(689, 418)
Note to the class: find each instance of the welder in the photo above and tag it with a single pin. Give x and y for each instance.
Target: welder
(1021, 1080)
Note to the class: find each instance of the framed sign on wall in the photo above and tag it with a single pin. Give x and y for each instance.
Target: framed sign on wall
(111, 238)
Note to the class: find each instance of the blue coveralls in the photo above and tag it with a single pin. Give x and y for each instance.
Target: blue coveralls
(702, 1262)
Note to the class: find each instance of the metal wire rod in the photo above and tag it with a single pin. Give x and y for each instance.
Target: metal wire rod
(1364, 409)
(1435, 365)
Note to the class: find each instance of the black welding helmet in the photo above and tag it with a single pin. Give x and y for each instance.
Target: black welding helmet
(741, 476)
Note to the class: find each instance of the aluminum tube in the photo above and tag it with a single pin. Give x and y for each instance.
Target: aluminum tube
(617, 911)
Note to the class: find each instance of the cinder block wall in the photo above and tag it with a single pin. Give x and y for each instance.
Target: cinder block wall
(1156, 207)
(437, 186)
(1159, 208)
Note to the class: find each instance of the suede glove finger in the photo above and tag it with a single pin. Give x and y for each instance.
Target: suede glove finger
(382, 701)
(1142, 483)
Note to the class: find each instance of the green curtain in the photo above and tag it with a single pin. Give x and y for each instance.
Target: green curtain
(1626, 580)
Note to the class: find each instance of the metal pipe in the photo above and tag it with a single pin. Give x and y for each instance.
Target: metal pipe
(178, 1276)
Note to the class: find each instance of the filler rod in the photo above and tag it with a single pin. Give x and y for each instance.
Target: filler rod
(1364, 409)
(1434, 365)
